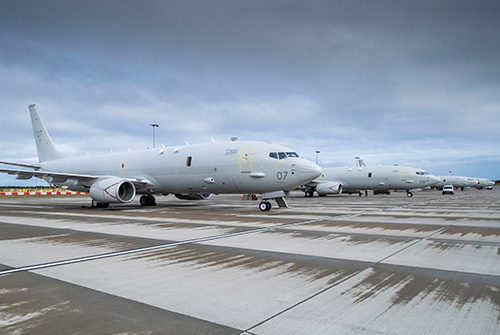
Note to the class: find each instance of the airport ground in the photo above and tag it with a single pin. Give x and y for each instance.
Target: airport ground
(344, 264)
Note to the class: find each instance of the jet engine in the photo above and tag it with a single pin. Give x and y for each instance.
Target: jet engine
(112, 189)
(193, 196)
(329, 188)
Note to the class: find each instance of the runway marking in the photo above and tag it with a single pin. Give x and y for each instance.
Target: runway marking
(191, 241)
(156, 247)
(308, 297)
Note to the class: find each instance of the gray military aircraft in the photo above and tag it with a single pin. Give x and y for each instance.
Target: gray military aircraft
(483, 183)
(188, 171)
(456, 181)
(336, 180)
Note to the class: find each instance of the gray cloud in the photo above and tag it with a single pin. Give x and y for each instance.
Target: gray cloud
(409, 83)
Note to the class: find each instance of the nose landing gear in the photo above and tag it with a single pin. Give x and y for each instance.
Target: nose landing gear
(265, 206)
(278, 196)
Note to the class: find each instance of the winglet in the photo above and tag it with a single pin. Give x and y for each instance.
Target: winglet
(44, 146)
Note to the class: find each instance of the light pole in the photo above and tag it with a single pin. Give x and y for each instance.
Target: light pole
(317, 152)
(154, 125)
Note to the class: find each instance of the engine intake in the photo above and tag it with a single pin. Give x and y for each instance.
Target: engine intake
(112, 189)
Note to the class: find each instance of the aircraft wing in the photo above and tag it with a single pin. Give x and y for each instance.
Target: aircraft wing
(142, 184)
(31, 166)
(48, 175)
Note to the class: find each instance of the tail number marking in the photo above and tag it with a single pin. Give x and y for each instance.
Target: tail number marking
(38, 134)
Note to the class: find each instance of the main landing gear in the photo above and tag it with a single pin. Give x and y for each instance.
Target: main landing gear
(96, 204)
(145, 200)
(309, 194)
(148, 200)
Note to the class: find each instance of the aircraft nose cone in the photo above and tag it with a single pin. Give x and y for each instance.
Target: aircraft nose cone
(433, 179)
(308, 171)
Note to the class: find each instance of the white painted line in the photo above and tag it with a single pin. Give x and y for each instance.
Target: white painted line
(156, 247)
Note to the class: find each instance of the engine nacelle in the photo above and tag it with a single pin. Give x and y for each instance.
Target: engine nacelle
(112, 189)
(193, 196)
(329, 188)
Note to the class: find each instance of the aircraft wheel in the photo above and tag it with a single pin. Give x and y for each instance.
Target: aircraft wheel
(96, 204)
(145, 200)
(309, 194)
(152, 200)
(265, 206)
(409, 194)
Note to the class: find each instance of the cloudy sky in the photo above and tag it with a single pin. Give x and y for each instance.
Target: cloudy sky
(409, 82)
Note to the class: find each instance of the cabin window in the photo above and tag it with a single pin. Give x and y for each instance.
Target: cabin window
(189, 160)
(369, 174)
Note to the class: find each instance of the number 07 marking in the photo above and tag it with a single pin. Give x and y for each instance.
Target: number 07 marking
(281, 175)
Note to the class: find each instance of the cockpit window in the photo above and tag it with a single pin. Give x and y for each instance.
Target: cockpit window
(422, 173)
(282, 155)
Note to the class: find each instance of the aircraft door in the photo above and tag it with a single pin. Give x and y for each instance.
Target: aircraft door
(404, 175)
(123, 168)
(246, 158)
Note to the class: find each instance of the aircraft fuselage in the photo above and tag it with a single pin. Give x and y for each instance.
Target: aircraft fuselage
(226, 167)
(336, 180)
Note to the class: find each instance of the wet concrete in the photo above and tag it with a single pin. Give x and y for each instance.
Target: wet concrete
(331, 265)
(35, 304)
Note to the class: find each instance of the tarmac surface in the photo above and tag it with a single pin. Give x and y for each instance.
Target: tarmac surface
(344, 264)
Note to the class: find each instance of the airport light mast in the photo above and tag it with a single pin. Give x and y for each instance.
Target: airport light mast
(154, 125)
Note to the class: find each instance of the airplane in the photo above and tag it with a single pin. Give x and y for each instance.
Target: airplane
(337, 180)
(456, 181)
(483, 183)
(192, 172)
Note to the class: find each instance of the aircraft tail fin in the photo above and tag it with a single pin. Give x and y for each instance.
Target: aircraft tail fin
(44, 146)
